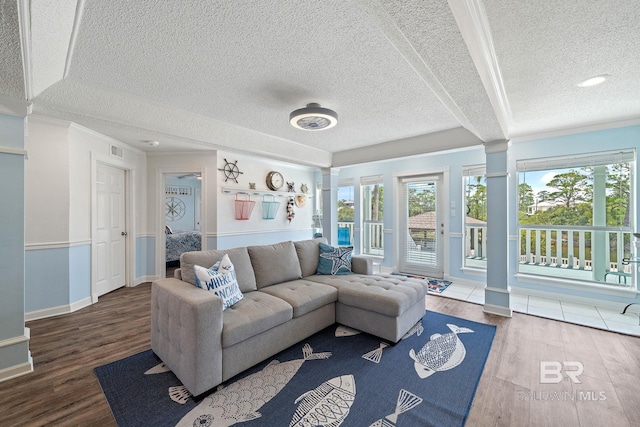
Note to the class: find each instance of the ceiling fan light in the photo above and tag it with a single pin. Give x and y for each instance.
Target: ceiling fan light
(593, 81)
(313, 117)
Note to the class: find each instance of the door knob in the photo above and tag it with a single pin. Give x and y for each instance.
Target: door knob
(124, 233)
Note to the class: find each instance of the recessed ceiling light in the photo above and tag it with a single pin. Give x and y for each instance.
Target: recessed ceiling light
(595, 80)
(313, 117)
(153, 143)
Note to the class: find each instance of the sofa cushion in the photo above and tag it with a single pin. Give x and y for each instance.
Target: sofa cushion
(221, 280)
(238, 256)
(334, 260)
(276, 263)
(308, 252)
(304, 296)
(385, 294)
(256, 313)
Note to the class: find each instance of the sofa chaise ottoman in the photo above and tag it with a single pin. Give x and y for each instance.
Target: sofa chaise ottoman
(284, 300)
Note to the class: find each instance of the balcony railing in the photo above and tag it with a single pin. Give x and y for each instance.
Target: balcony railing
(570, 249)
(372, 238)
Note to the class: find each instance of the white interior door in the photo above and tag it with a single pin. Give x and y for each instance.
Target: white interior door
(111, 231)
(421, 226)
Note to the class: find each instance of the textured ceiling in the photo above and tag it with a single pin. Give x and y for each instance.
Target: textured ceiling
(405, 76)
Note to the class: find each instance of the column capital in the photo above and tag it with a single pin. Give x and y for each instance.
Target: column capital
(330, 171)
(497, 146)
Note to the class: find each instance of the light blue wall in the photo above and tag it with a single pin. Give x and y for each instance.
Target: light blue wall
(12, 325)
(46, 278)
(187, 222)
(79, 273)
(145, 256)
(57, 277)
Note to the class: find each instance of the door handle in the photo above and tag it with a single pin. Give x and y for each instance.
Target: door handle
(124, 233)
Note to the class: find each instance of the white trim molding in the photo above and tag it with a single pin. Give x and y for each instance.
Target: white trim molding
(21, 368)
(15, 151)
(253, 232)
(55, 245)
(56, 311)
(499, 290)
(498, 310)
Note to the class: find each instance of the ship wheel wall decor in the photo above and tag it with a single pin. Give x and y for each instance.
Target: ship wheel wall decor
(174, 209)
(231, 171)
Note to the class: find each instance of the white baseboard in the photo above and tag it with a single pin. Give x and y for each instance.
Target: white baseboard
(16, 370)
(498, 310)
(56, 311)
(145, 279)
(21, 368)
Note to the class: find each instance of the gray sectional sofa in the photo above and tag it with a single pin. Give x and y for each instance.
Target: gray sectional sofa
(284, 301)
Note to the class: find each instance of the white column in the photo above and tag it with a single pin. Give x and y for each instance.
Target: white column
(330, 204)
(599, 243)
(496, 295)
(15, 358)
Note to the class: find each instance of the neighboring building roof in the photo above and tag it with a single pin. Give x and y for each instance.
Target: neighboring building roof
(427, 221)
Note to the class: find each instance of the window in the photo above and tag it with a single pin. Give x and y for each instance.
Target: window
(346, 209)
(574, 217)
(372, 215)
(475, 223)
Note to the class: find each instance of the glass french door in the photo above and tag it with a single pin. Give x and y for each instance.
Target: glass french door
(421, 226)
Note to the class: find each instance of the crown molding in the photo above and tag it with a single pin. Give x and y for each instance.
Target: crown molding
(575, 130)
(24, 25)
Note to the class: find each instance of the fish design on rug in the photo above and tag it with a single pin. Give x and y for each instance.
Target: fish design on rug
(241, 400)
(179, 394)
(416, 329)
(344, 331)
(440, 353)
(406, 401)
(375, 355)
(327, 405)
(158, 369)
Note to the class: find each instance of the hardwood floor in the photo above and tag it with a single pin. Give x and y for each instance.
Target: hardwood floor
(63, 390)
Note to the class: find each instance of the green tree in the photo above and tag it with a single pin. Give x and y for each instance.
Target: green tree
(571, 187)
(421, 201)
(477, 200)
(345, 211)
(525, 197)
(618, 197)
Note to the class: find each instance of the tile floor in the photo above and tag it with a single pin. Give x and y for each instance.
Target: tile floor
(597, 317)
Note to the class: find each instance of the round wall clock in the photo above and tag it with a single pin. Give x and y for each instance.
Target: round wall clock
(275, 180)
(174, 209)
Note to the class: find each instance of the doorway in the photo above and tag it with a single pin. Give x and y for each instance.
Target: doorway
(421, 225)
(182, 206)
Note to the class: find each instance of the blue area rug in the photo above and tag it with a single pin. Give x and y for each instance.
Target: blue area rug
(338, 376)
(436, 286)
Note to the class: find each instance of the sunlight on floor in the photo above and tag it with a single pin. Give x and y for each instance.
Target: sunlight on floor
(581, 314)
